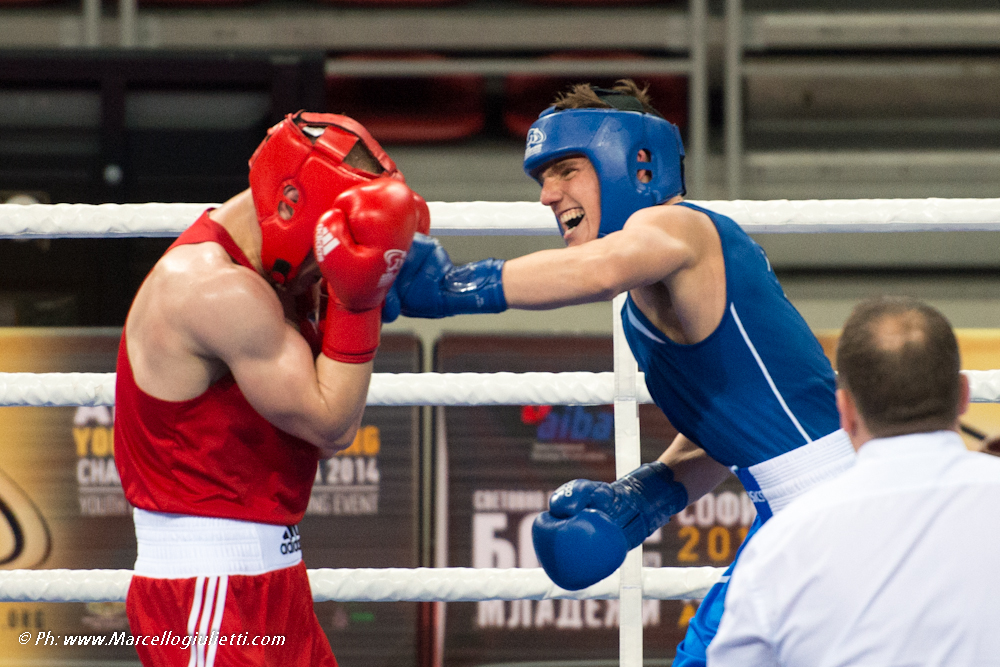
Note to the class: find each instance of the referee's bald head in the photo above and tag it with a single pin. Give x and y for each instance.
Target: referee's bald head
(899, 360)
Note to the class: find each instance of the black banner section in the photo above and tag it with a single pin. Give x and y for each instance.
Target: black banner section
(503, 462)
(364, 512)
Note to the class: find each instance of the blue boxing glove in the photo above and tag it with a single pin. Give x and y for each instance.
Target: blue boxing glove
(430, 286)
(590, 526)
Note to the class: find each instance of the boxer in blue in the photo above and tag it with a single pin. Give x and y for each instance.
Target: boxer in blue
(727, 357)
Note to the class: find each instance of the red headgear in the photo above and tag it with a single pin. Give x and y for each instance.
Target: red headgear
(305, 151)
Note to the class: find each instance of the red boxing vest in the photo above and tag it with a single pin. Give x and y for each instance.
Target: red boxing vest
(212, 455)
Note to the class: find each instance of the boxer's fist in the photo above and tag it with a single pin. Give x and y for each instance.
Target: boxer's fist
(430, 286)
(573, 497)
(590, 526)
(361, 243)
(577, 546)
(362, 240)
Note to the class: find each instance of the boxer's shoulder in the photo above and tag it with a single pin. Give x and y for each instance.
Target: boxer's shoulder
(205, 275)
(197, 301)
(201, 261)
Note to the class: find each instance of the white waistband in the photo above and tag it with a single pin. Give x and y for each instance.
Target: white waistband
(785, 477)
(177, 546)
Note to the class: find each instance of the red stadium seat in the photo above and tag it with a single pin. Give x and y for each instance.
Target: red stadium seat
(398, 109)
(395, 3)
(203, 3)
(603, 2)
(526, 95)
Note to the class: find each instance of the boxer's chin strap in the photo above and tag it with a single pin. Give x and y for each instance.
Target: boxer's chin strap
(280, 271)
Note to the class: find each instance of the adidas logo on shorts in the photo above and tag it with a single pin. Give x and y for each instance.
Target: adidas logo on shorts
(290, 541)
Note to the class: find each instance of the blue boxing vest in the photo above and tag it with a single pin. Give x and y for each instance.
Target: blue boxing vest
(759, 386)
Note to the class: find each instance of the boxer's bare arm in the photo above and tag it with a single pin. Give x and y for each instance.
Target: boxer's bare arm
(320, 401)
(199, 314)
(655, 243)
(668, 257)
(693, 468)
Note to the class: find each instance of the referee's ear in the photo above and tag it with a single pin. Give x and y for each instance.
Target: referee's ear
(964, 393)
(850, 418)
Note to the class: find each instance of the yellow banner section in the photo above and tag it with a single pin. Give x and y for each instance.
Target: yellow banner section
(980, 350)
(56, 467)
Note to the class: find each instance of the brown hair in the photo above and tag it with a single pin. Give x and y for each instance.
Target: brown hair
(585, 96)
(899, 360)
(360, 157)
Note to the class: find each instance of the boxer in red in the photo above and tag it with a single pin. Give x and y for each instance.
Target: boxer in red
(224, 405)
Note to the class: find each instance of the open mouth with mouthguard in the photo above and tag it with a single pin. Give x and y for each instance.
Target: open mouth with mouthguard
(571, 218)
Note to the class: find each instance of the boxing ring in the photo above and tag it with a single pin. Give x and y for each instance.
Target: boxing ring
(624, 388)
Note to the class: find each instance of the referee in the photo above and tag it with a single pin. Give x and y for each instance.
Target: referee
(894, 562)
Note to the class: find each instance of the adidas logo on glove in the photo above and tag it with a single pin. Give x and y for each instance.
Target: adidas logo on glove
(325, 242)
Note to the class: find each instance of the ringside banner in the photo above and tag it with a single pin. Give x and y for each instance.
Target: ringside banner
(62, 506)
(504, 462)
(59, 478)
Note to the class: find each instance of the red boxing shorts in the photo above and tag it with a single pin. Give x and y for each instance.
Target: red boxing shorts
(233, 613)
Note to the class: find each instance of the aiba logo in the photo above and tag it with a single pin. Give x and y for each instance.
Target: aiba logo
(535, 140)
(576, 424)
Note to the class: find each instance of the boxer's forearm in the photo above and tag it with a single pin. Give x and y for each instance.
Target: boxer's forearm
(693, 468)
(343, 390)
(598, 270)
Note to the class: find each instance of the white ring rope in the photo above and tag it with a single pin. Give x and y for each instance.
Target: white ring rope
(452, 584)
(530, 218)
(56, 389)
(387, 389)
(464, 389)
(403, 389)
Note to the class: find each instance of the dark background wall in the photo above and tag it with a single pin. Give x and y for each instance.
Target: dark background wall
(100, 126)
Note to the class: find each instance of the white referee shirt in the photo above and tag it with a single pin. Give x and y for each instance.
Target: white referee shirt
(896, 562)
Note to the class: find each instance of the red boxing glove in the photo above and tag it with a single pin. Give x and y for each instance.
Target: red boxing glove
(360, 246)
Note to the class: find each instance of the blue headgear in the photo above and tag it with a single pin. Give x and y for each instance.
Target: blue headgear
(611, 139)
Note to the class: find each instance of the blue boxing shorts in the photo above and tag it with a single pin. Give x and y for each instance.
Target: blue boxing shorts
(705, 623)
